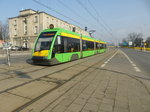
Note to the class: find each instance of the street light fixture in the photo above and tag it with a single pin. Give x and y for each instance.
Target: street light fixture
(91, 32)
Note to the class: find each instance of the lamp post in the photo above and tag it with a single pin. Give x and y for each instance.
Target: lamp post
(91, 32)
(144, 45)
(25, 43)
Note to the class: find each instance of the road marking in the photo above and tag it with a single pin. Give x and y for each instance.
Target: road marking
(137, 69)
(134, 65)
(103, 65)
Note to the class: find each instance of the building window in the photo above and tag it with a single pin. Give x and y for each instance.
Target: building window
(15, 32)
(25, 20)
(25, 29)
(35, 30)
(15, 22)
(70, 28)
(35, 19)
(48, 20)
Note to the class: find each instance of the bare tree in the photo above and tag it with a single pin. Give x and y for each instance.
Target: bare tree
(4, 31)
(138, 42)
(1, 30)
(136, 38)
(148, 42)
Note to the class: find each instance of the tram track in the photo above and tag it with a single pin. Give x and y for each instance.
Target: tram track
(48, 74)
(59, 85)
(13, 73)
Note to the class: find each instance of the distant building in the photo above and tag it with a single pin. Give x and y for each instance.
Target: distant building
(24, 28)
(1, 43)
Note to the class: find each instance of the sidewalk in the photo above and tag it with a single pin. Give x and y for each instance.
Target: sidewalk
(85, 87)
(96, 90)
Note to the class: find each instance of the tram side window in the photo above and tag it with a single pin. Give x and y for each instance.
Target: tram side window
(90, 45)
(71, 44)
(84, 46)
(98, 46)
(102, 46)
(105, 46)
(58, 46)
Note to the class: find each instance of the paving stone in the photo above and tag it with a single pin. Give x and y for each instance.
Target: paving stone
(75, 107)
(146, 108)
(80, 101)
(108, 101)
(121, 98)
(85, 110)
(33, 89)
(66, 102)
(59, 108)
(9, 102)
(106, 107)
(134, 104)
(110, 96)
(94, 101)
(91, 107)
(98, 96)
(119, 109)
(121, 104)
(84, 96)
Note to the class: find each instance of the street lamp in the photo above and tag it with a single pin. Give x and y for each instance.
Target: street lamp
(91, 32)
(144, 45)
(25, 43)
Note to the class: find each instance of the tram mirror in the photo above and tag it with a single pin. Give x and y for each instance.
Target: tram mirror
(58, 40)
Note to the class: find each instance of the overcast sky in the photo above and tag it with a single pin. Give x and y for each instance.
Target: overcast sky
(112, 19)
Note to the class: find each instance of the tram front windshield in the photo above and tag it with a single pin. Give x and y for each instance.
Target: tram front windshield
(44, 41)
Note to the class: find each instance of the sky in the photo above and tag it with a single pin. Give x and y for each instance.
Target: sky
(112, 20)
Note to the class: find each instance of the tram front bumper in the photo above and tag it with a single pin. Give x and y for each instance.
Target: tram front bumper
(41, 60)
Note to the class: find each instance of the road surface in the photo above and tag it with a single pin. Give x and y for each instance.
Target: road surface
(108, 82)
(140, 58)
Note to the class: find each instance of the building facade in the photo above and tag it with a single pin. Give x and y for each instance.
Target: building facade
(24, 28)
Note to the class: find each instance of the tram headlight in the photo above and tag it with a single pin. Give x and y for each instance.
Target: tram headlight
(51, 26)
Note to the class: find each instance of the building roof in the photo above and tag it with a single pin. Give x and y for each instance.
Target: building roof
(27, 10)
(38, 12)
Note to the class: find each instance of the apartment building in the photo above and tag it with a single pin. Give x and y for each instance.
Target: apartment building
(24, 28)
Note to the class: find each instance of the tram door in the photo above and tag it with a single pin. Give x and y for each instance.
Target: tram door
(58, 48)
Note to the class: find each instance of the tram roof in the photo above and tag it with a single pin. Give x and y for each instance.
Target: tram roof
(61, 30)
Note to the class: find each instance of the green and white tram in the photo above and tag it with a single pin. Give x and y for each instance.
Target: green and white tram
(57, 45)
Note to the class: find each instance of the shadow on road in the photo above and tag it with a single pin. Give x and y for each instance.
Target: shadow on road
(21, 74)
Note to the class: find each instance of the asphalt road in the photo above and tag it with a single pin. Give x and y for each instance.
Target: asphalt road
(140, 58)
(16, 58)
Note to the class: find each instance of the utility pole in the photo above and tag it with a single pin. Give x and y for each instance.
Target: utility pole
(144, 45)
(81, 48)
(8, 56)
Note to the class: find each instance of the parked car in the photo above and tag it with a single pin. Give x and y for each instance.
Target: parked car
(16, 48)
(24, 48)
(6, 47)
